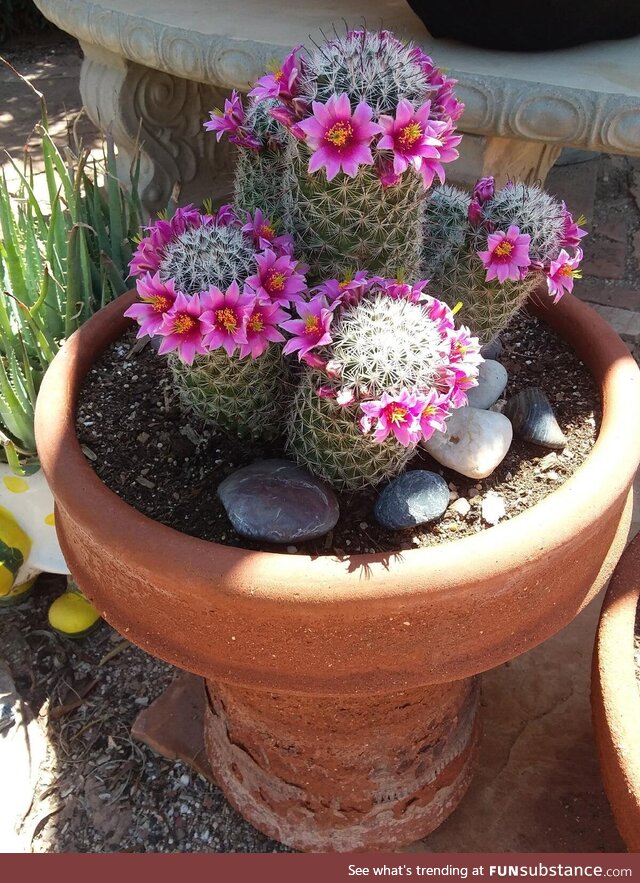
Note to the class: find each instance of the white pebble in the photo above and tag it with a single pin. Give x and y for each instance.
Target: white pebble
(493, 508)
(461, 507)
(473, 443)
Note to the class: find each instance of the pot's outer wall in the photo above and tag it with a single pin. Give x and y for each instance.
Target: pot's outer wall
(370, 622)
(615, 697)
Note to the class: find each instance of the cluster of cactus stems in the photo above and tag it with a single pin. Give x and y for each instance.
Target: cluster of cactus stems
(216, 291)
(336, 225)
(458, 254)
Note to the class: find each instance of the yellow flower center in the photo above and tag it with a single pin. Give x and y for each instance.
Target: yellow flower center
(429, 410)
(278, 75)
(410, 134)
(183, 323)
(504, 250)
(566, 270)
(160, 304)
(339, 134)
(396, 413)
(267, 231)
(275, 281)
(311, 325)
(227, 319)
(256, 322)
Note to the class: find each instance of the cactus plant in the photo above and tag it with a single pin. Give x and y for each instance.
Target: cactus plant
(260, 173)
(207, 255)
(456, 231)
(215, 295)
(364, 210)
(245, 396)
(395, 358)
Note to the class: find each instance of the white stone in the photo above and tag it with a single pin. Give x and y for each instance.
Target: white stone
(493, 508)
(461, 507)
(474, 442)
(492, 379)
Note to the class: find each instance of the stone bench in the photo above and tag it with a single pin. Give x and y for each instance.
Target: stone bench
(152, 70)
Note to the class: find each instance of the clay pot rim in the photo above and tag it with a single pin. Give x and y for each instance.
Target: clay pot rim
(615, 695)
(270, 576)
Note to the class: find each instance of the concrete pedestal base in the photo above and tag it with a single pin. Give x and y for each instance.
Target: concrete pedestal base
(504, 158)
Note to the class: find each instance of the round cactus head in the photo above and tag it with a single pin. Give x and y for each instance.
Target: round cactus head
(386, 368)
(368, 121)
(374, 67)
(490, 249)
(207, 255)
(216, 292)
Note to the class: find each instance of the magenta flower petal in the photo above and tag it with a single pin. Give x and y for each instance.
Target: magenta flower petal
(507, 254)
(338, 138)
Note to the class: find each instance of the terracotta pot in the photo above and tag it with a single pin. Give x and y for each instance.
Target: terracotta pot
(342, 707)
(615, 697)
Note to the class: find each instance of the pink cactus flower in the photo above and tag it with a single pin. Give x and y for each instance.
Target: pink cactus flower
(286, 116)
(484, 189)
(261, 328)
(182, 328)
(278, 279)
(393, 413)
(562, 272)
(384, 170)
(340, 140)
(506, 254)
(226, 216)
(313, 360)
(347, 291)
(436, 408)
(462, 378)
(326, 392)
(157, 298)
(281, 83)
(148, 255)
(397, 289)
(345, 397)
(447, 153)
(412, 136)
(225, 316)
(228, 120)
(572, 233)
(440, 313)
(311, 330)
(463, 348)
(475, 213)
(264, 235)
(445, 105)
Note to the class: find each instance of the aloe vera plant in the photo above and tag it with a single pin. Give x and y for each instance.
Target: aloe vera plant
(57, 267)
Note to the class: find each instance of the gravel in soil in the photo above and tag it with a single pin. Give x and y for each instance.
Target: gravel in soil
(168, 464)
(99, 790)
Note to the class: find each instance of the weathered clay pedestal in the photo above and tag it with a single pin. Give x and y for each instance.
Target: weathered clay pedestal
(329, 773)
(343, 773)
(344, 699)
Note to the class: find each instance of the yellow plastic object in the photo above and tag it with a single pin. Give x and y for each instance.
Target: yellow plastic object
(72, 615)
(15, 546)
(17, 594)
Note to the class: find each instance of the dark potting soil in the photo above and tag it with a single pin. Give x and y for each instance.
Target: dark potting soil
(168, 464)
